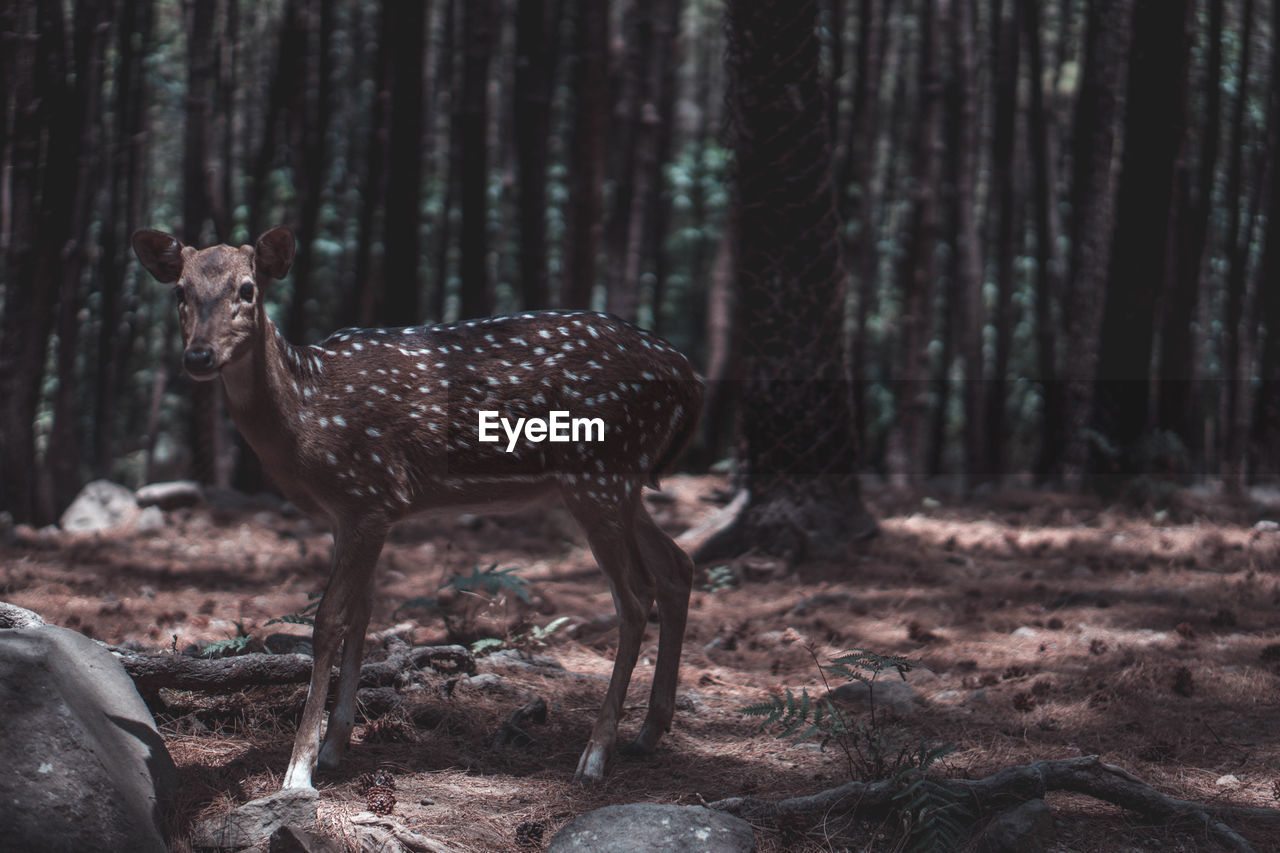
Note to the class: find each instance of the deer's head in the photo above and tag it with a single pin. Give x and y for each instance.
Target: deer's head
(218, 292)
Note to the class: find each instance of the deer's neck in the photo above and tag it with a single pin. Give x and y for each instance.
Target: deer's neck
(264, 394)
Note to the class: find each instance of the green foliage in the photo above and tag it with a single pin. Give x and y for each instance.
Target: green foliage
(491, 581)
(720, 578)
(931, 818)
(535, 637)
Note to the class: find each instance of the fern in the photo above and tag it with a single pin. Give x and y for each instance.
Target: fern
(933, 819)
(226, 648)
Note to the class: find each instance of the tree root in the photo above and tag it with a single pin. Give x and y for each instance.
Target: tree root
(1087, 775)
(150, 672)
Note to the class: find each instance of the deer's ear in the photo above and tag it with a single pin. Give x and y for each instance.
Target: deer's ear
(160, 254)
(273, 253)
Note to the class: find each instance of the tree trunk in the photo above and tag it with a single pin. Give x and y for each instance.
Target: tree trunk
(406, 29)
(798, 457)
(918, 272)
(1042, 125)
(1236, 341)
(34, 70)
(1266, 407)
(1158, 63)
(1098, 111)
(968, 307)
(531, 108)
(125, 206)
(1005, 235)
(1180, 409)
(479, 19)
(81, 124)
(587, 150)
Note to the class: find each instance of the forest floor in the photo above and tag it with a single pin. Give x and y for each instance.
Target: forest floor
(1050, 626)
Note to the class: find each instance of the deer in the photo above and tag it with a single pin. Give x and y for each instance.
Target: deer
(371, 426)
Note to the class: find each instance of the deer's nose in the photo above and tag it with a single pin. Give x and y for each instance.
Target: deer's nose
(198, 359)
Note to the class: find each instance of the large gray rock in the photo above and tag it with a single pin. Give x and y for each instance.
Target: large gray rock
(890, 694)
(101, 505)
(84, 767)
(654, 828)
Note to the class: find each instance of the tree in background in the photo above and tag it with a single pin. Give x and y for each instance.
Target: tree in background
(797, 448)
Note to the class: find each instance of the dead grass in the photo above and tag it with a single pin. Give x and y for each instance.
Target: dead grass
(1051, 626)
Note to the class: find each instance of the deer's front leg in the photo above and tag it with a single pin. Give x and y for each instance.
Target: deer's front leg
(355, 553)
(342, 718)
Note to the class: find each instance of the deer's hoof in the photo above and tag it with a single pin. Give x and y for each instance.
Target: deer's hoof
(590, 767)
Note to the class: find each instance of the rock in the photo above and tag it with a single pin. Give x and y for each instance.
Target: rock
(1022, 829)
(172, 495)
(375, 834)
(150, 519)
(486, 681)
(1228, 781)
(1267, 526)
(101, 505)
(13, 616)
(895, 695)
(84, 767)
(654, 828)
(257, 819)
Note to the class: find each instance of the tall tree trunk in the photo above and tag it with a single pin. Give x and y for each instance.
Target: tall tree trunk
(364, 302)
(125, 200)
(587, 150)
(1098, 111)
(1042, 126)
(309, 144)
(1236, 340)
(1158, 62)
(536, 27)
(1266, 407)
(918, 271)
(1004, 236)
(39, 201)
(857, 185)
(207, 433)
(81, 123)
(798, 454)
(401, 303)
(479, 20)
(968, 307)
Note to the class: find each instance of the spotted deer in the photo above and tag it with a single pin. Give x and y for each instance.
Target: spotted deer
(371, 426)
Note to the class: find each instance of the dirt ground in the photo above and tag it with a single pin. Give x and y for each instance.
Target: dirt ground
(1050, 626)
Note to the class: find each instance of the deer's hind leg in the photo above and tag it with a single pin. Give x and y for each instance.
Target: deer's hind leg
(608, 526)
(671, 571)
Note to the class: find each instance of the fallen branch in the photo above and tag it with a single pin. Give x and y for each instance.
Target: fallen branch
(1088, 775)
(150, 672)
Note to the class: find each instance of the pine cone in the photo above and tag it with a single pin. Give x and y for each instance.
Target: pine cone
(529, 833)
(380, 799)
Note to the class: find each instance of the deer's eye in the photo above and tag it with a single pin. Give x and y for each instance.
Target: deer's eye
(179, 294)
(246, 292)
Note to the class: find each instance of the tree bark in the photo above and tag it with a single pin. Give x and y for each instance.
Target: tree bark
(587, 150)
(917, 273)
(1098, 110)
(1158, 61)
(536, 26)
(479, 18)
(1266, 407)
(798, 453)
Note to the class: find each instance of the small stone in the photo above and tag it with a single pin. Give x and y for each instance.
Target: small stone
(1227, 781)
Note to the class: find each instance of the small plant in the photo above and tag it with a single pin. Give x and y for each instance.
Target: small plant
(230, 647)
(534, 638)
(931, 818)
(492, 581)
(720, 578)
